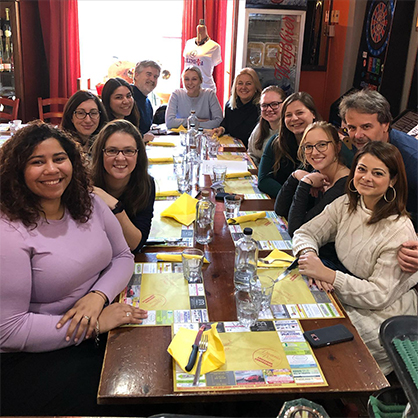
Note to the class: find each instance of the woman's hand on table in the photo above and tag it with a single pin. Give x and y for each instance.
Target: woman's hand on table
(324, 286)
(148, 137)
(217, 131)
(408, 256)
(83, 314)
(118, 314)
(310, 265)
(106, 197)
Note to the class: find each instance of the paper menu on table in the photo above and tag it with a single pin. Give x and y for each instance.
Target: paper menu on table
(231, 166)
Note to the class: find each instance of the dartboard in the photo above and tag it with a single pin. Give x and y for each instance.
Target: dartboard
(378, 26)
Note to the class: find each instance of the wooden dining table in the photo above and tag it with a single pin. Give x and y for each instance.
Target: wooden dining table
(138, 369)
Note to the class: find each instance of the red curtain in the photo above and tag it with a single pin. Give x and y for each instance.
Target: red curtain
(59, 21)
(214, 13)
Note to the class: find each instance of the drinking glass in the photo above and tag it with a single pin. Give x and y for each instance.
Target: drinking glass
(177, 162)
(14, 126)
(248, 303)
(232, 205)
(183, 177)
(266, 286)
(192, 259)
(212, 147)
(219, 173)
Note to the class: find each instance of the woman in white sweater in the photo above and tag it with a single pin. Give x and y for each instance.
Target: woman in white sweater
(368, 226)
(192, 97)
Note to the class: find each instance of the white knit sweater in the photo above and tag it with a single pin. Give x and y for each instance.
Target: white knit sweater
(380, 289)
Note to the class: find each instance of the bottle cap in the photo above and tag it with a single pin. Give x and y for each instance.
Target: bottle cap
(200, 129)
(248, 231)
(205, 193)
(192, 125)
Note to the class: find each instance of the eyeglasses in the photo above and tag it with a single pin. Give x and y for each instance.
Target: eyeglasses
(81, 114)
(320, 147)
(273, 105)
(113, 152)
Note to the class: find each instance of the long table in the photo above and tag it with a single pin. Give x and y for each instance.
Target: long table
(138, 369)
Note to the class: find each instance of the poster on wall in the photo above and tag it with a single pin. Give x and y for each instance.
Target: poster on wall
(276, 3)
(374, 44)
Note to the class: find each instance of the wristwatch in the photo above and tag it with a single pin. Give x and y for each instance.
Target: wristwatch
(120, 207)
(307, 250)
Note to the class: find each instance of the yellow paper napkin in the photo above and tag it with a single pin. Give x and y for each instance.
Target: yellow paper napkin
(167, 193)
(160, 144)
(181, 347)
(160, 160)
(183, 210)
(276, 254)
(246, 218)
(181, 128)
(237, 175)
(176, 257)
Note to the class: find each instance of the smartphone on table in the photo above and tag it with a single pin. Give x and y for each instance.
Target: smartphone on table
(323, 337)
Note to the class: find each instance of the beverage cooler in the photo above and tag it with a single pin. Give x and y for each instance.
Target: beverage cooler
(270, 40)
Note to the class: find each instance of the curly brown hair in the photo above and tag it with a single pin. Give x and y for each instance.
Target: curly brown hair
(18, 202)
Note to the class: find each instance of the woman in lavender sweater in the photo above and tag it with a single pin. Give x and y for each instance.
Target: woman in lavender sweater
(63, 259)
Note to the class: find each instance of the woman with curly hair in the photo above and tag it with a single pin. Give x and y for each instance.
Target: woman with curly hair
(118, 100)
(241, 110)
(64, 258)
(84, 116)
(121, 179)
(280, 158)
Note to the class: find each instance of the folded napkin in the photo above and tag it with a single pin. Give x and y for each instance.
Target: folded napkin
(181, 128)
(246, 218)
(237, 175)
(183, 210)
(276, 254)
(181, 347)
(167, 193)
(160, 144)
(176, 257)
(160, 160)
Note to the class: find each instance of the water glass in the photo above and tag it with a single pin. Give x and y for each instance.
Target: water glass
(177, 162)
(192, 259)
(248, 303)
(183, 137)
(183, 178)
(266, 284)
(14, 126)
(219, 173)
(232, 205)
(212, 147)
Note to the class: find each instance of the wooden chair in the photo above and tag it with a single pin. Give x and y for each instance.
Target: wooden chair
(54, 103)
(12, 109)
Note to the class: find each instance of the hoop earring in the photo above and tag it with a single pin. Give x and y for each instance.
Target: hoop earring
(394, 195)
(349, 186)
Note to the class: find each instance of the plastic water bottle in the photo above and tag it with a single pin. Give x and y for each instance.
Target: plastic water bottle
(193, 120)
(193, 161)
(246, 256)
(205, 214)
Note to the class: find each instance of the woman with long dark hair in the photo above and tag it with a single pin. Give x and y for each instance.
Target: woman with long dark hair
(368, 226)
(280, 158)
(121, 179)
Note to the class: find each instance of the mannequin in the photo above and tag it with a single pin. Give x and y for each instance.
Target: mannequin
(204, 53)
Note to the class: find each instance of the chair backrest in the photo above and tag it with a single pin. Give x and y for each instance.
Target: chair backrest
(12, 110)
(56, 108)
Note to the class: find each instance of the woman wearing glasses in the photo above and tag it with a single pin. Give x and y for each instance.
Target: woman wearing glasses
(305, 194)
(118, 99)
(241, 110)
(84, 116)
(271, 101)
(121, 179)
(280, 158)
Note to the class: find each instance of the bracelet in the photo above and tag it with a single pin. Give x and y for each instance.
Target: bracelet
(307, 250)
(307, 178)
(120, 207)
(97, 333)
(100, 294)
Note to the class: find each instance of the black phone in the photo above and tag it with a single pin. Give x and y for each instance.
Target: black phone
(329, 335)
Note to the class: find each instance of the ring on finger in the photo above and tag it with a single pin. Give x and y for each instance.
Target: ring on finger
(128, 314)
(86, 317)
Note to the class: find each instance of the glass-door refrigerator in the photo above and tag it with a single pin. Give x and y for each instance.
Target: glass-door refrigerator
(270, 40)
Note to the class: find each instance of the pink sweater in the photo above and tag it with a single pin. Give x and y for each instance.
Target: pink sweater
(44, 271)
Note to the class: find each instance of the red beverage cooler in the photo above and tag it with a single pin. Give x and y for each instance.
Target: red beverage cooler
(270, 40)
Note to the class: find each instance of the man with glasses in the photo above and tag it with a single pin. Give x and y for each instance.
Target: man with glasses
(145, 80)
(368, 118)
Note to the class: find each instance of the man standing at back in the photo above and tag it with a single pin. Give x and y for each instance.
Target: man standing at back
(368, 118)
(145, 80)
